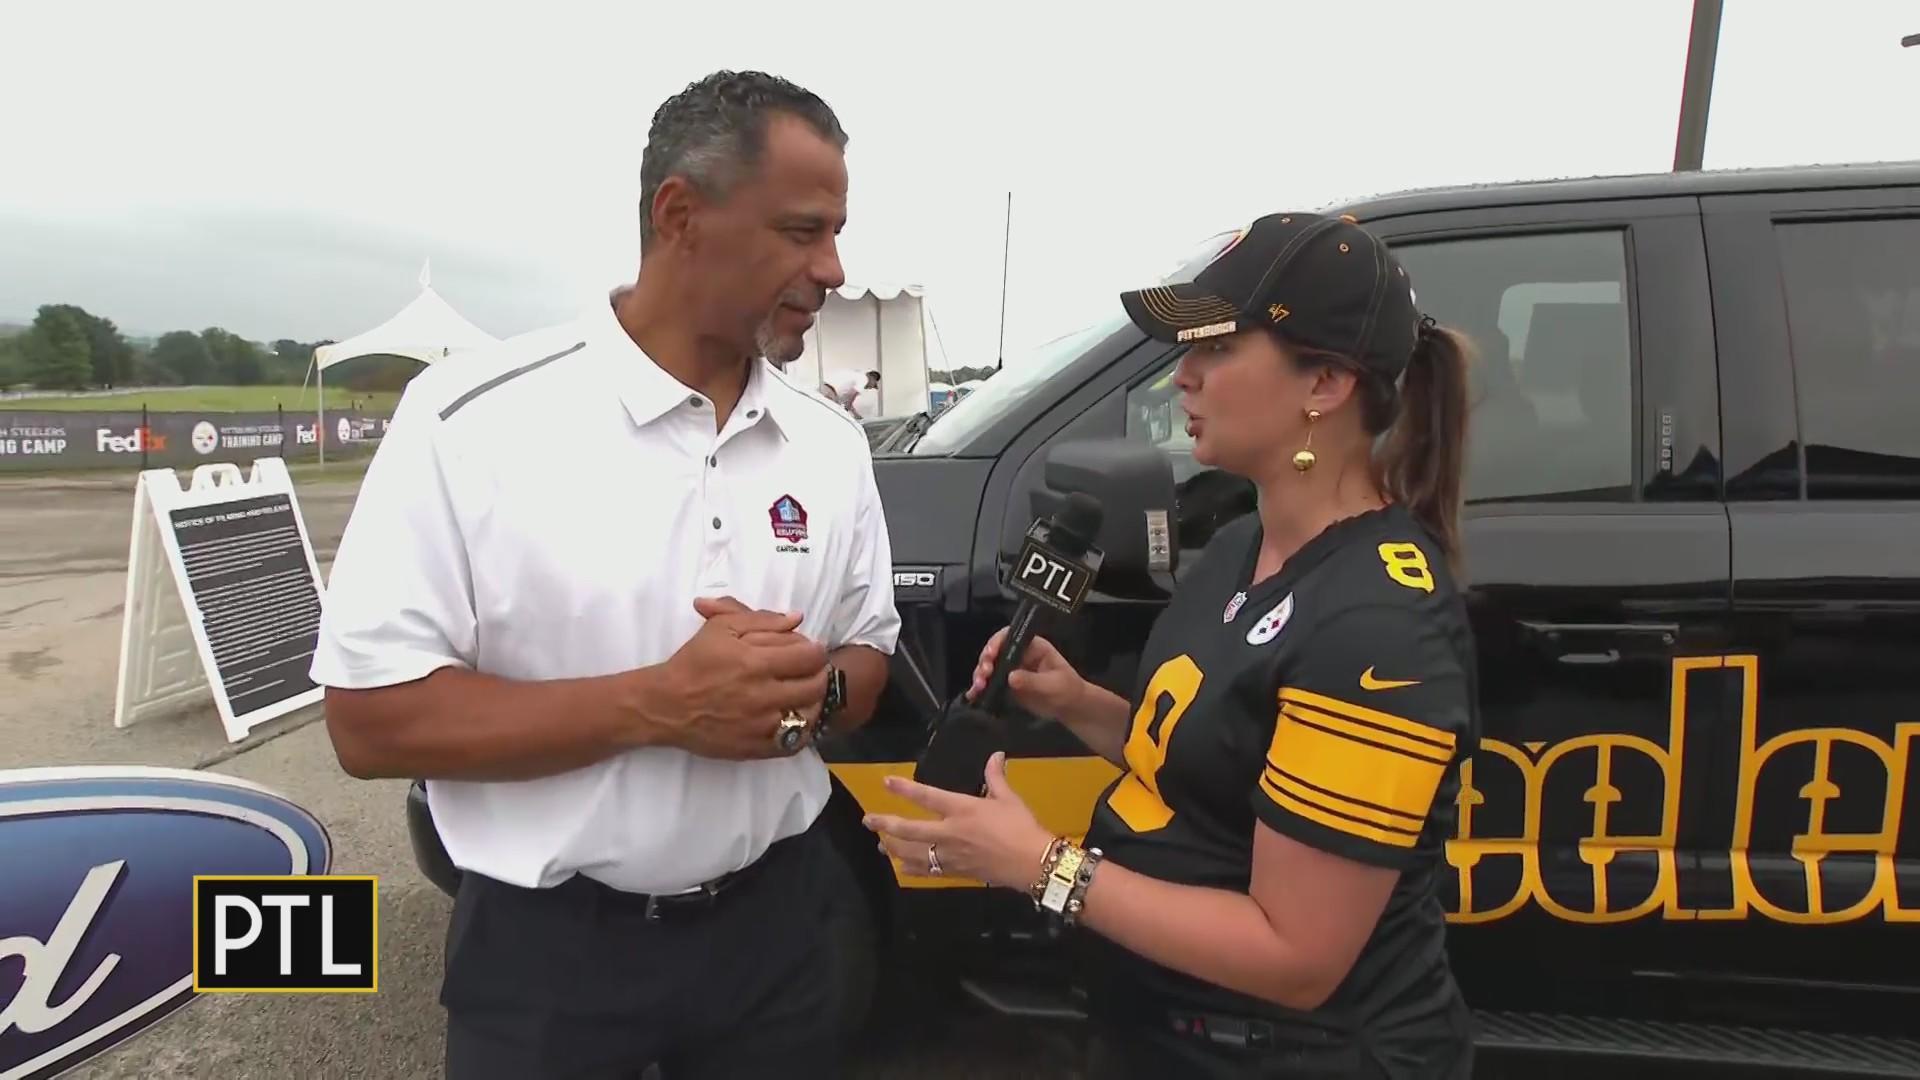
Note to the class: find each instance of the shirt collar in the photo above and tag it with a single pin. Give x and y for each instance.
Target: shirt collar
(649, 392)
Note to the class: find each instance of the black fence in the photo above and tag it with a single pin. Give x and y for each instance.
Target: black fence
(40, 441)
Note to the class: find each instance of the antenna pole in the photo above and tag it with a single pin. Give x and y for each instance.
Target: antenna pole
(1006, 245)
(1696, 89)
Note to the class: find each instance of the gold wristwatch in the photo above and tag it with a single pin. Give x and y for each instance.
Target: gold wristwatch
(1066, 872)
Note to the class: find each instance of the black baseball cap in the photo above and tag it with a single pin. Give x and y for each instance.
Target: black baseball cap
(1319, 282)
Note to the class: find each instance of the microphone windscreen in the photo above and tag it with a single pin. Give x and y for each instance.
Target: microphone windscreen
(956, 757)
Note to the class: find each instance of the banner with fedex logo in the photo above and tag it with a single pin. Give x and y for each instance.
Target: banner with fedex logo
(46, 440)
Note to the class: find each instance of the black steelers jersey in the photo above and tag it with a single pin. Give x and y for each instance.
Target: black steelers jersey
(1333, 702)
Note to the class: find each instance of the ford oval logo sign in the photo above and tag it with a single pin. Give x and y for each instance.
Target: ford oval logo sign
(96, 917)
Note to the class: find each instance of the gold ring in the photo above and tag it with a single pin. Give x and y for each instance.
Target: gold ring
(793, 729)
(933, 860)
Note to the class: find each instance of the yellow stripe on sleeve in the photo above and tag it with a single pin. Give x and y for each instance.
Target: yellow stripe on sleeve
(1367, 733)
(1439, 739)
(1280, 779)
(1340, 822)
(1351, 778)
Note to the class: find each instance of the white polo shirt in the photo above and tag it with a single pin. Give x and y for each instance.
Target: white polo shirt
(550, 510)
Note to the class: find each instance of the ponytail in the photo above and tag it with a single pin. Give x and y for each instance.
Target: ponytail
(1421, 459)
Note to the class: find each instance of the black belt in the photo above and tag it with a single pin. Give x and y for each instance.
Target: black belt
(662, 907)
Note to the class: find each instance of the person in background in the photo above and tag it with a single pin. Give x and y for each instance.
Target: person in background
(840, 387)
(866, 402)
(1259, 886)
(614, 694)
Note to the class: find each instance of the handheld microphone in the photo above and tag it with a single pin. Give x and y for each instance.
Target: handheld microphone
(1054, 571)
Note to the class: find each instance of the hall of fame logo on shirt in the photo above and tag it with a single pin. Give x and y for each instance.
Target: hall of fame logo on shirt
(789, 521)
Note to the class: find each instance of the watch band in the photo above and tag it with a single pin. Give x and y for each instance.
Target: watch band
(1060, 879)
(1065, 872)
(835, 702)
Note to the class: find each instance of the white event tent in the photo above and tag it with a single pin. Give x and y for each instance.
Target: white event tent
(879, 327)
(427, 330)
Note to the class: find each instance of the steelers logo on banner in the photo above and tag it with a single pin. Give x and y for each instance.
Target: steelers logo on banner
(206, 437)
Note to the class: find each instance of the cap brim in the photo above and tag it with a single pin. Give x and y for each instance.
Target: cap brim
(1177, 314)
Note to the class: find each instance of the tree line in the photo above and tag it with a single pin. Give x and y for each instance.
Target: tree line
(69, 348)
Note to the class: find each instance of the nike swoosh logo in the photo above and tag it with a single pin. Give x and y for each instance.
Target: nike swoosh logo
(1368, 682)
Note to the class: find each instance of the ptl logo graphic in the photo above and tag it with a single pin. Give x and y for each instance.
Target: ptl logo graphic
(1051, 577)
(304, 934)
(99, 865)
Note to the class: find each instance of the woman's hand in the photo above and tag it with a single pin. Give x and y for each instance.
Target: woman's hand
(1044, 684)
(995, 839)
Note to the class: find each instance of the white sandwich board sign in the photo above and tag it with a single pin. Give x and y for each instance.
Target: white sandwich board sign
(223, 597)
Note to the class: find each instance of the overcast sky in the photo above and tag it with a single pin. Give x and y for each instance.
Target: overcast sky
(283, 171)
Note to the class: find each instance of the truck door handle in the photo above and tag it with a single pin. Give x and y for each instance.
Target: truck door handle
(1611, 656)
(1600, 644)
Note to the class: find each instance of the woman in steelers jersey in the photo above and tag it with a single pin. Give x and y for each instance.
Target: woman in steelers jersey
(1260, 883)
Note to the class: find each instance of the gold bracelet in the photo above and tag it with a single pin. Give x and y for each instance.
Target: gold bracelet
(1082, 879)
(1054, 888)
(1048, 859)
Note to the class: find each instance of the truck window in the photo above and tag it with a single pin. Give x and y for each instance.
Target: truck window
(1853, 312)
(962, 420)
(1207, 497)
(952, 429)
(1552, 393)
(1553, 410)
(1154, 416)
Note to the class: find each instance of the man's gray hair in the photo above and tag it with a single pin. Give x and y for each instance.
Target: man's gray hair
(713, 132)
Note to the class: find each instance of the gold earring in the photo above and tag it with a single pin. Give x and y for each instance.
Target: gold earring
(1304, 459)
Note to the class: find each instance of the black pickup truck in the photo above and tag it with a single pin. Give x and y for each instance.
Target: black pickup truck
(1693, 547)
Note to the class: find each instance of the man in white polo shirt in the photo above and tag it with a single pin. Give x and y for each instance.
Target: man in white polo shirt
(602, 589)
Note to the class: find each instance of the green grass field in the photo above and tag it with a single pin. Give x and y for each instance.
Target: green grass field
(211, 399)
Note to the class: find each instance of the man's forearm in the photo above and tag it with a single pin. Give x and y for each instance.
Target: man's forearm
(866, 672)
(457, 724)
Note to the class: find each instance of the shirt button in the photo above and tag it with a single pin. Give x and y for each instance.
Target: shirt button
(714, 461)
(716, 523)
(695, 401)
(752, 413)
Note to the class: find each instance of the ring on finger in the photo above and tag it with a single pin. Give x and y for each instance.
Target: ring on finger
(933, 860)
(793, 729)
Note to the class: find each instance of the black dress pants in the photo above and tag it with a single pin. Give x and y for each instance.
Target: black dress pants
(579, 981)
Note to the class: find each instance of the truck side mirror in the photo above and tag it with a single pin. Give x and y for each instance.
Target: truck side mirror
(1135, 486)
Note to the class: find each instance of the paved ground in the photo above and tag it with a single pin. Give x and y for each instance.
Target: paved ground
(63, 546)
